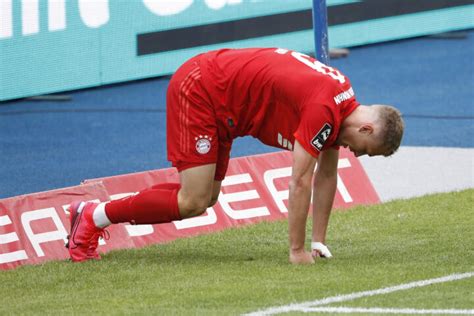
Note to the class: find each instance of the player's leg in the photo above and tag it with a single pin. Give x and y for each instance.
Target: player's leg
(158, 204)
(216, 189)
(199, 189)
(166, 202)
(191, 137)
(223, 157)
(196, 190)
(193, 141)
(200, 186)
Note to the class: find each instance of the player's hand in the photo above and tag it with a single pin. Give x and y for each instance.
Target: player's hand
(301, 257)
(318, 249)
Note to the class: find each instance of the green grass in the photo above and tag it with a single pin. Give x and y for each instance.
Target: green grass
(246, 269)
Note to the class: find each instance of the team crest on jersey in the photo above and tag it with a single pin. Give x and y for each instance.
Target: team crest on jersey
(203, 144)
(320, 138)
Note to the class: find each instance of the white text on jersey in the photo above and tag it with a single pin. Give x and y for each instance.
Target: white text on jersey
(346, 95)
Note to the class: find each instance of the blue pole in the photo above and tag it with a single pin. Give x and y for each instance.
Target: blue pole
(320, 27)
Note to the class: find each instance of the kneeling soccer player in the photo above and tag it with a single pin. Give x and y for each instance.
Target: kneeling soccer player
(285, 99)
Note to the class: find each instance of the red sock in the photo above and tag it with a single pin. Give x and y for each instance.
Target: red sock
(155, 205)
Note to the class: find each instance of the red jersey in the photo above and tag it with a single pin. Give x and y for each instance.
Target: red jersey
(277, 96)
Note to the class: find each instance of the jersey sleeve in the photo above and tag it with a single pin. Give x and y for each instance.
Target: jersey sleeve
(315, 129)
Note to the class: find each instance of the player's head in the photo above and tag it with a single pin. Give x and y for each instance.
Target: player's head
(372, 130)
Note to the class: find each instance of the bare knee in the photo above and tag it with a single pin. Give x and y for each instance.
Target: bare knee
(214, 199)
(192, 206)
(196, 190)
(216, 189)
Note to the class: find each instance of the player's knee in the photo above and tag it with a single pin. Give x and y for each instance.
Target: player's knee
(213, 200)
(197, 209)
(193, 206)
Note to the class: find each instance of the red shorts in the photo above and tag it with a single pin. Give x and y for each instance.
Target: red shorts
(191, 123)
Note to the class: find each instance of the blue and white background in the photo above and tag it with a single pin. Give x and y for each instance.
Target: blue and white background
(120, 128)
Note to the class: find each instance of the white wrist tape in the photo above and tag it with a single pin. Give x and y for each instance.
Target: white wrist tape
(321, 248)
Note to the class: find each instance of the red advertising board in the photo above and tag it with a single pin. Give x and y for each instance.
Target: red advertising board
(32, 227)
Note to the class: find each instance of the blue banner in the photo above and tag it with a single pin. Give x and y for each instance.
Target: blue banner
(59, 45)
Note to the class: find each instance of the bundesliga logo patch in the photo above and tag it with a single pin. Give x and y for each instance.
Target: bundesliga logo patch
(203, 144)
(321, 137)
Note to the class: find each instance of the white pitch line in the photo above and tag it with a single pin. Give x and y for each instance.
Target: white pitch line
(377, 310)
(353, 296)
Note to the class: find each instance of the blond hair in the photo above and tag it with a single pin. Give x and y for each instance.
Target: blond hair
(392, 127)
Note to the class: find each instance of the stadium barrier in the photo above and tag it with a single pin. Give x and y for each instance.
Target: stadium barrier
(33, 227)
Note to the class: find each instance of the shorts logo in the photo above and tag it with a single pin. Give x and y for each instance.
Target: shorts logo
(320, 138)
(203, 144)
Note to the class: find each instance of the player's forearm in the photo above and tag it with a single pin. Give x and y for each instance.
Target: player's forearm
(299, 199)
(323, 197)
